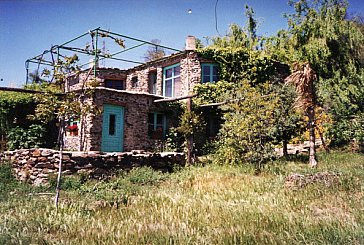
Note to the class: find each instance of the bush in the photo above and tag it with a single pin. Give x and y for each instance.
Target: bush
(145, 176)
(68, 182)
(34, 136)
(245, 134)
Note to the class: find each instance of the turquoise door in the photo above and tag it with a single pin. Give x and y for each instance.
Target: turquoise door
(112, 128)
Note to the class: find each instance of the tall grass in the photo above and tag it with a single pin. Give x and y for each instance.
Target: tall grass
(196, 205)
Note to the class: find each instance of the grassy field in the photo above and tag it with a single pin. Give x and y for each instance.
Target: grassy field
(195, 205)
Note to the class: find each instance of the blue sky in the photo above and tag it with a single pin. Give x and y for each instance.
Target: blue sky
(30, 26)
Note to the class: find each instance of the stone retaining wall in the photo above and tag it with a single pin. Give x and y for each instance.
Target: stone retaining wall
(35, 165)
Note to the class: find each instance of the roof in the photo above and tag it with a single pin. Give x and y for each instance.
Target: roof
(125, 92)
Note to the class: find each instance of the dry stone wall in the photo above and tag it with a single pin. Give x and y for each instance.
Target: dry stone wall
(37, 164)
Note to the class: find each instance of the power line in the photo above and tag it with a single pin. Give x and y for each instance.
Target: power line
(217, 30)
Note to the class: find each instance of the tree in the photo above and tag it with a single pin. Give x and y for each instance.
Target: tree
(303, 79)
(288, 122)
(154, 51)
(239, 37)
(256, 113)
(245, 135)
(321, 35)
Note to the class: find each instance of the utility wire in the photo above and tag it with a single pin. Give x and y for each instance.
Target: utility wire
(217, 30)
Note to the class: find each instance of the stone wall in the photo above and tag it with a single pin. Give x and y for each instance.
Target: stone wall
(36, 165)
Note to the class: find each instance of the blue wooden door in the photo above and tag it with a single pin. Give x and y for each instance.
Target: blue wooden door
(112, 128)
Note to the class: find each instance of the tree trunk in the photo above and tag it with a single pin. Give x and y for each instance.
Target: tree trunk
(285, 148)
(190, 138)
(58, 187)
(311, 124)
(323, 141)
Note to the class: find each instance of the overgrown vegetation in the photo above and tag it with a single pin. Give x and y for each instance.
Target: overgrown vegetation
(215, 204)
(17, 125)
(324, 49)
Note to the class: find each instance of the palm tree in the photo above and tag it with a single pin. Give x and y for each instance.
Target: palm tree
(303, 79)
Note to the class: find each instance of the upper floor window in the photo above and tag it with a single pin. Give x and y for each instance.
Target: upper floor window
(73, 80)
(209, 73)
(134, 82)
(172, 81)
(152, 80)
(115, 84)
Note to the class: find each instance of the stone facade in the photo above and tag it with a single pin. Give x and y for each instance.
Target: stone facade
(136, 96)
(36, 165)
(136, 109)
(189, 61)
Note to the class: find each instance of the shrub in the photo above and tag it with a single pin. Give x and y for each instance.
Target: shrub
(245, 134)
(7, 179)
(34, 136)
(145, 176)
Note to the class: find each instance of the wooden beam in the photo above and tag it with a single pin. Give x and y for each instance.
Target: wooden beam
(29, 91)
(175, 99)
(214, 104)
(190, 138)
(230, 101)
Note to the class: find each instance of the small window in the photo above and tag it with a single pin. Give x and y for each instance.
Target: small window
(112, 121)
(115, 84)
(73, 80)
(157, 125)
(152, 82)
(134, 82)
(73, 127)
(209, 73)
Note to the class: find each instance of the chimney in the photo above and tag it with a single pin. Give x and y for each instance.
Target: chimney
(190, 43)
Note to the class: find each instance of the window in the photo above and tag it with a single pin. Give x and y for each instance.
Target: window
(115, 84)
(209, 73)
(73, 127)
(112, 121)
(134, 82)
(157, 124)
(152, 78)
(73, 80)
(172, 81)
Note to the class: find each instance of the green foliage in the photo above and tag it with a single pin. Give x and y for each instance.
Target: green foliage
(288, 122)
(145, 176)
(211, 92)
(237, 63)
(244, 72)
(70, 183)
(238, 37)
(321, 34)
(7, 179)
(245, 135)
(174, 140)
(19, 138)
(17, 116)
(50, 107)
(347, 130)
(14, 108)
(191, 123)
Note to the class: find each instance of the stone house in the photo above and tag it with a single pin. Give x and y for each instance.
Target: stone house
(129, 117)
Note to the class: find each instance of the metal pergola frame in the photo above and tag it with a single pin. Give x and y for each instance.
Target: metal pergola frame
(95, 34)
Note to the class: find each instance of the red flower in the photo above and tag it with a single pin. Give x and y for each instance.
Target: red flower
(73, 128)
